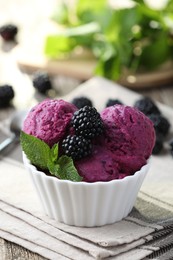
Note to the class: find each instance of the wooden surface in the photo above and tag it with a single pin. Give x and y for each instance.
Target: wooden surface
(9, 73)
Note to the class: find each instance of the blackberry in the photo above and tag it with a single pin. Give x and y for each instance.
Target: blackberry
(158, 146)
(147, 106)
(80, 102)
(8, 32)
(161, 124)
(87, 122)
(76, 147)
(6, 95)
(41, 82)
(112, 102)
(171, 146)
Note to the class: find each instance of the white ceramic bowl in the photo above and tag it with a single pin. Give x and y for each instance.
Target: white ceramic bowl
(86, 204)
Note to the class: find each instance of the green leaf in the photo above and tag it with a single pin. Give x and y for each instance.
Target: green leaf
(66, 41)
(68, 170)
(60, 14)
(54, 169)
(97, 11)
(64, 169)
(52, 164)
(54, 153)
(128, 38)
(139, 1)
(96, 6)
(44, 157)
(109, 69)
(37, 151)
(56, 46)
(156, 53)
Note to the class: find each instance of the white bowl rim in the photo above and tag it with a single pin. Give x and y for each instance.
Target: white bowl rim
(43, 174)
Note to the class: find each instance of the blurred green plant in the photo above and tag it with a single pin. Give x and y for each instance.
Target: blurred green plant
(138, 38)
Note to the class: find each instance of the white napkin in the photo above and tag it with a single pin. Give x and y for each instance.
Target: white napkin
(22, 221)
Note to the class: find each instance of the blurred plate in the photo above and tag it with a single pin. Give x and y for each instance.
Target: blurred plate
(82, 68)
(160, 77)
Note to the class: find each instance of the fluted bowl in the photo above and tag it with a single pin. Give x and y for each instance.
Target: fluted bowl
(86, 204)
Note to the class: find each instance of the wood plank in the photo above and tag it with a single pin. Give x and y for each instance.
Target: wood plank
(11, 251)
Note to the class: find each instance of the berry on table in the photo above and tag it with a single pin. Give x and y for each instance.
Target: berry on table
(87, 122)
(171, 146)
(82, 101)
(161, 124)
(158, 145)
(112, 102)
(6, 95)
(147, 106)
(42, 82)
(8, 32)
(76, 147)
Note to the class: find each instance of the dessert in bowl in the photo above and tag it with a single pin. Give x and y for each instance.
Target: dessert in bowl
(87, 167)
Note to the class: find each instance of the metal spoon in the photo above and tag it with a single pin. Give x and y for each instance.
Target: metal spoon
(15, 128)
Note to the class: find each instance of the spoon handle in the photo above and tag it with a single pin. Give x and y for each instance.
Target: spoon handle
(7, 142)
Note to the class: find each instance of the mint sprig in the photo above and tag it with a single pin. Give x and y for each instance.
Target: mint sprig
(46, 158)
(120, 39)
(64, 168)
(35, 149)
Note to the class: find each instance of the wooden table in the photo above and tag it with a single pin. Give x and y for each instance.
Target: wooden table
(9, 73)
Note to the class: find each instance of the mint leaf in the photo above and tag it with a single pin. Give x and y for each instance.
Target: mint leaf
(124, 39)
(68, 170)
(64, 169)
(54, 168)
(52, 164)
(36, 150)
(60, 14)
(54, 153)
(44, 157)
(64, 42)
